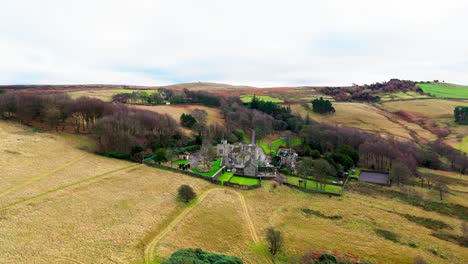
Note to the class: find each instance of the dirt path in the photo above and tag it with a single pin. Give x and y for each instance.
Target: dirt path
(42, 176)
(3, 208)
(150, 248)
(248, 219)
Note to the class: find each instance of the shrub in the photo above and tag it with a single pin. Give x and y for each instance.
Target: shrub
(187, 120)
(327, 258)
(198, 256)
(186, 193)
(389, 235)
(274, 239)
(322, 106)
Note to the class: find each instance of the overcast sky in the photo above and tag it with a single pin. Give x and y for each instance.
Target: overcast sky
(263, 43)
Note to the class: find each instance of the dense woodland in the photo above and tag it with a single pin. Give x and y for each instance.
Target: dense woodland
(125, 132)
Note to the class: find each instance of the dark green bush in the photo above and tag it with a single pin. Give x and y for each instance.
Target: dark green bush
(198, 256)
(327, 258)
(117, 154)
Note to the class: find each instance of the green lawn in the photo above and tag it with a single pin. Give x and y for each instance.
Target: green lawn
(226, 176)
(247, 98)
(215, 167)
(445, 90)
(182, 162)
(244, 181)
(355, 176)
(312, 185)
(275, 145)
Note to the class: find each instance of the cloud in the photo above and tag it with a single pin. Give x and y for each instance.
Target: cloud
(325, 42)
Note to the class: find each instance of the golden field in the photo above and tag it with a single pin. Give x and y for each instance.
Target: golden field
(62, 204)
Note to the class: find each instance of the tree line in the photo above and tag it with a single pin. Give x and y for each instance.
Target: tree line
(119, 130)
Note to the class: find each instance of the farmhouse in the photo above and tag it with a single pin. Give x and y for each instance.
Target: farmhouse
(242, 159)
(287, 158)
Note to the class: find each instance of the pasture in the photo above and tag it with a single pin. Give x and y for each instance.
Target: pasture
(444, 90)
(63, 204)
(247, 98)
(104, 94)
(175, 111)
(369, 118)
(434, 113)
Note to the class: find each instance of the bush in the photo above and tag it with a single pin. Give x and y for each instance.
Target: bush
(117, 154)
(274, 239)
(186, 193)
(198, 256)
(389, 235)
(327, 258)
(187, 120)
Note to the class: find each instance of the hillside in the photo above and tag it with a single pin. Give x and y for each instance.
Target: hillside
(102, 209)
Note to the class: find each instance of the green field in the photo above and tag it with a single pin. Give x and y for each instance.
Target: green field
(244, 181)
(312, 185)
(247, 98)
(463, 146)
(215, 167)
(275, 145)
(445, 90)
(225, 176)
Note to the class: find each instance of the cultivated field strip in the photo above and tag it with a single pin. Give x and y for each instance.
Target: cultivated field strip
(28, 199)
(150, 248)
(42, 176)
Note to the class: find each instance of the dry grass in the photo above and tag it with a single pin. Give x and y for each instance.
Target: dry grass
(103, 220)
(218, 224)
(175, 111)
(355, 232)
(370, 118)
(112, 217)
(438, 111)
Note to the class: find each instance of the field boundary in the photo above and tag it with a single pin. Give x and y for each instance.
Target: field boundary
(3, 208)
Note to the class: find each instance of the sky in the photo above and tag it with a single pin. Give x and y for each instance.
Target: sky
(254, 42)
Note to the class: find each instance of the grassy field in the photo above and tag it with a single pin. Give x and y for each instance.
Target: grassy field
(90, 209)
(222, 231)
(438, 112)
(401, 96)
(215, 167)
(175, 111)
(226, 176)
(445, 90)
(244, 181)
(247, 98)
(312, 185)
(271, 148)
(105, 94)
(369, 118)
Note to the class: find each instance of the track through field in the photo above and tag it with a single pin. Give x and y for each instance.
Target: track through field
(39, 177)
(150, 248)
(28, 199)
